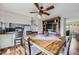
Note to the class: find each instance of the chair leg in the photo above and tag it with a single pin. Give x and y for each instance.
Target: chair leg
(29, 46)
(14, 44)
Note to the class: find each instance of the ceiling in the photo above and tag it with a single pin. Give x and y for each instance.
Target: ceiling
(66, 10)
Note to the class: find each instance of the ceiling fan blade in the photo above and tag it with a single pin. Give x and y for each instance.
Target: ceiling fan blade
(33, 12)
(46, 13)
(49, 8)
(37, 5)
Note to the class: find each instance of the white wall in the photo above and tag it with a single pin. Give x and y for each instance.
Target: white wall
(63, 26)
(40, 26)
(38, 22)
(14, 18)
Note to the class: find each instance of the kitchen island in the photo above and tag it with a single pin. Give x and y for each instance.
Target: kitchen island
(7, 40)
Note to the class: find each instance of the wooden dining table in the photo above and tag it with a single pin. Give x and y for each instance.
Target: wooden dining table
(49, 45)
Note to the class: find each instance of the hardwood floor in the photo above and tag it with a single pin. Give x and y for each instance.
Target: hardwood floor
(19, 50)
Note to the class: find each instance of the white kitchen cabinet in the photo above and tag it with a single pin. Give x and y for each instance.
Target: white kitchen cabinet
(7, 40)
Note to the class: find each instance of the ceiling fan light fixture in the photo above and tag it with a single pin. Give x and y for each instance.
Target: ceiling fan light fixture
(41, 16)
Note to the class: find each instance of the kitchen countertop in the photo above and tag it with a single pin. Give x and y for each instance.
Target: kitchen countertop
(7, 33)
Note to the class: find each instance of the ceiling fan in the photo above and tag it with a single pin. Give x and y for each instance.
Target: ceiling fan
(41, 9)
